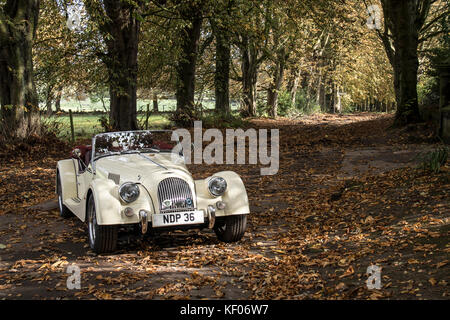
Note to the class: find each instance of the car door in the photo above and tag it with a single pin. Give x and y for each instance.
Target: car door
(83, 180)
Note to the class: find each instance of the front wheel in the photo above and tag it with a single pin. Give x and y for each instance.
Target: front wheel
(102, 239)
(231, 228)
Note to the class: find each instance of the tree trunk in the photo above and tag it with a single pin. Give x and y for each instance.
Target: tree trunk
(19, 100)
(102, 99)
(318, 90)
(321, 96)
(155, 102)
(185, 92)
(121, 35)
(294, 87)
(249, 77)
(49, 99)
(404, 21)
(58, 101)
(336, 99)
(328, 98)
(48, 106)
(222, 73)
(122, 51)
(308, 82)
(275, 86)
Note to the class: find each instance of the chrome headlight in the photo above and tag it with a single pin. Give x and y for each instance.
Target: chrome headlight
(129, 192)
(217, 186)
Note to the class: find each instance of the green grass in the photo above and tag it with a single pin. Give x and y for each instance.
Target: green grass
(87, 125)
(88, 106)
(163, 105)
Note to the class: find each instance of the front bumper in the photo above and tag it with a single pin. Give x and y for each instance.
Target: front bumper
(203, 218)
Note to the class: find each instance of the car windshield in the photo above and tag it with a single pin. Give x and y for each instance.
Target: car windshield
(113, 143)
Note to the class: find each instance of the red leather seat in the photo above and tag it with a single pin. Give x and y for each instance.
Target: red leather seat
(85, 155)
(163, 145)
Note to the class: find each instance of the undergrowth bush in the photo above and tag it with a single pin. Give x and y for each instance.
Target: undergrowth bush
(45, 141)
(104, 122)
(304, 105)
(220, 120)
(433, 160)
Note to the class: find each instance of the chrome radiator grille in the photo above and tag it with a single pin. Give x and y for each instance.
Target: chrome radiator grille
(174, 195)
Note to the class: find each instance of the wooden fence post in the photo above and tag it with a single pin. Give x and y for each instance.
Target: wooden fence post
(72, 131)
(147, 115)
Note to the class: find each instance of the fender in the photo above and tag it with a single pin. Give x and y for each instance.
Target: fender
(235, 196)
(109, 208)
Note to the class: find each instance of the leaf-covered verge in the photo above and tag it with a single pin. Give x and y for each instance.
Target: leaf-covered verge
(314, 229)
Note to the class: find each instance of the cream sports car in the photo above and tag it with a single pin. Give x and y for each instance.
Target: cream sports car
(135, 178)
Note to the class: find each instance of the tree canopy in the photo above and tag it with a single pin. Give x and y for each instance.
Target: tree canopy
(272, 57)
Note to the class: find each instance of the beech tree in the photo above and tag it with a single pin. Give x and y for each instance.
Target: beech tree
(19, 100)
(405, 27)
(252, 40)
(222, 26)
(119, 24)
(192, 14)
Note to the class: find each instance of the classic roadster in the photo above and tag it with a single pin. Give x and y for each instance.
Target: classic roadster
(133, 178)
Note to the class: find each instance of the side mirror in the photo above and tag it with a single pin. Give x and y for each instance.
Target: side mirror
(76, 153)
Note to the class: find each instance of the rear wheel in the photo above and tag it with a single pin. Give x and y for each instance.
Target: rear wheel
(102, 239)
(63, 210)
(231, 228)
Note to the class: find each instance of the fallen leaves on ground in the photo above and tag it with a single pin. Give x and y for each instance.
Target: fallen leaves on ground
(313, 231)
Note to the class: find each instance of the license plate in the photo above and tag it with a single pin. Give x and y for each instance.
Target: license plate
(177, 218)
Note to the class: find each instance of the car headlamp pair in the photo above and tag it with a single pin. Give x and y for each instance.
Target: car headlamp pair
(129, 192)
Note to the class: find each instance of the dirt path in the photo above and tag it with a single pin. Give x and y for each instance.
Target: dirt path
(347, 196)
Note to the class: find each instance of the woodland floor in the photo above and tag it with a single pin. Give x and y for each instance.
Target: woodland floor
(347, 196)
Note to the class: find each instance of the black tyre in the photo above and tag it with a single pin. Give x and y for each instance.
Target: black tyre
(231, 228)
(63, 210)
(102, 239)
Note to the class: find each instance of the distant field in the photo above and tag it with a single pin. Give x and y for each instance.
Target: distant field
(87, 125)
(89, 106)
(163, 105)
